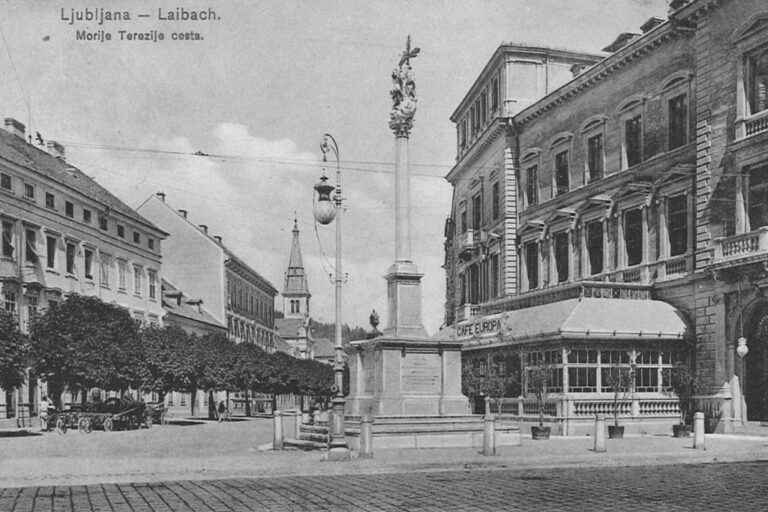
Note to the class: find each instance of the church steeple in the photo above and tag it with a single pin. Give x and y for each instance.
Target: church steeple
(296, 292)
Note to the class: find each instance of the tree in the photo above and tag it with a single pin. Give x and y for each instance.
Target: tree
(218, 353)
(621, 379)
(538, 378)
(84, 343)
(686, 385)
(167, 362)
(13, 352)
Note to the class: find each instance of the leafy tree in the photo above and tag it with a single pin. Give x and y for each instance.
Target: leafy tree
(538, 378)
(621, 379)
(84, 343)
(13, 353)
(686, 385)
(167, 363)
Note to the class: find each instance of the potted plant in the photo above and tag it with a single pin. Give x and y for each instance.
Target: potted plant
(686, 385)
(537, 382)
(621, 379)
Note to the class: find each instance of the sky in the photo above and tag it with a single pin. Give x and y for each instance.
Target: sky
(257, 92)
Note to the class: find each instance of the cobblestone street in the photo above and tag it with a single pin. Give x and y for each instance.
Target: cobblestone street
(730, 486)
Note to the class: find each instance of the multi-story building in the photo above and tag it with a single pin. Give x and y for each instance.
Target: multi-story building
(294, 326)
(233, 293)
(621, 217)
(63, 233)
(188, 313)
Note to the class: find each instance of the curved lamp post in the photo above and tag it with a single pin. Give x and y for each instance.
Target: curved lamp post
(325, 210)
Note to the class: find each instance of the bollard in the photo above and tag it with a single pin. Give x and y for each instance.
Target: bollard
(298, 420)
(366, 438)
(489, 435)
(487, 406)
(698, 431)
(600, 433)
(277, 439)
(316, 417)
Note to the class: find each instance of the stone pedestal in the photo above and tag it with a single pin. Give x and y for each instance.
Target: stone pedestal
(408, 376)
(404, 301)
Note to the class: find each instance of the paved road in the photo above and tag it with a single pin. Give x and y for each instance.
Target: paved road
(726, 486)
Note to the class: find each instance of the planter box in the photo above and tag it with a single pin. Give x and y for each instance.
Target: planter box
(681, 430)
(615, 432)
(539, 433)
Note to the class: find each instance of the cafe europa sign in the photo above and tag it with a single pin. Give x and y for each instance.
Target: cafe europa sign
(484, 326)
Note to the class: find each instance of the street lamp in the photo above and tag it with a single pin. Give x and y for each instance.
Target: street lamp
(326, 209)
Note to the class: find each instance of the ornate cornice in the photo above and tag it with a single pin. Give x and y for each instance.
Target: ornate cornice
(479, 147)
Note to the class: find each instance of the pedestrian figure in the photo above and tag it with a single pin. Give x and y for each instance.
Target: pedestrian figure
(222, 409)
(43, 412)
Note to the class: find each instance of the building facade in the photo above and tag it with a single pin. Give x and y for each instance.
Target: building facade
(234, 294)
(618, 217)
(63, 233)
(294, 327)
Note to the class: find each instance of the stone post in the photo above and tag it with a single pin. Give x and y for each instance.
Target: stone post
(297, 422)
(489, 440)
(366, 438)
(277, 438)
(487, 405)
(698, 431)
(600, 433)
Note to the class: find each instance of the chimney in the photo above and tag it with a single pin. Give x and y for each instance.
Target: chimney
(55, 149)
(183, 213)
(14, 127)
(623, 40)
(651, 24)
(161, 195)
(204, 228)
(576, 69)
(218, 239)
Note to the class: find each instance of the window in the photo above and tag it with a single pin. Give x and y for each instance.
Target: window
(462, 288)
(532, 264)
(30, 252)
(477, 115)
(103, 223)
(483, 107)
(582, 371)
(532, 185)
(5, 181)
(86, 216)
(595, 247)
(50, 200)
(10, 301)
(136, 237)
(152, 277)
(71, 251)
(29, 191)
(647, 371)
(633, 236)
(104, 262)
(758, 197)
(137, 280)
(595, 157)
(493, 276)
(472, 120)
(122, 269)
(677, 208)
(757, 81)
(633, 141)
(8, 240)
(474, 283)
(561, 172)
(678, 121)
(562, 250)
(69, 209)
(50, 252)
(495, 200)
(88, 264)
(495, 95)
(120, 231)
(463, 133)
(553, 359)
(463, 220)
(477, 212)
(151, 243)
(32, 305)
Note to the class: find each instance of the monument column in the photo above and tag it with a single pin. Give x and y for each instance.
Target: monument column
(403, 278)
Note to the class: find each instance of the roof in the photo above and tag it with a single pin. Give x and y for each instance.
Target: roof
(175, 302)
(295, 278)
(17, 151)
(323, 348)
(592, 318)
(282, 346)
(289, 327)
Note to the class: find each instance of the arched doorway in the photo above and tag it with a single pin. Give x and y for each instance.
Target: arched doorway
(755, 378)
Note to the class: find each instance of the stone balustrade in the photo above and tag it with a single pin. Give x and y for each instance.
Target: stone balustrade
(743, 245)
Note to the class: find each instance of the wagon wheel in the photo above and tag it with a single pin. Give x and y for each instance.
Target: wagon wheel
(61, 425)
(164, 417)
(84, 425)
(108, 425)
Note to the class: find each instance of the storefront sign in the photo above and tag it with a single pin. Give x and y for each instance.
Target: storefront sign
(481, 327)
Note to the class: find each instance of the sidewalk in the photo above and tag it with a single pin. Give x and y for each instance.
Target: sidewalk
(231, 451)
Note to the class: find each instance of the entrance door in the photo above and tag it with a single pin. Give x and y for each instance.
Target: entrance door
(756, 369)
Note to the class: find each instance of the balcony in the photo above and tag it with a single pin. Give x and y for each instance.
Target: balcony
(466, 243)
(741, 248)
(755, 124)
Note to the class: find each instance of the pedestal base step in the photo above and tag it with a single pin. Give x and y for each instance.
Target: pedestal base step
(305, 445)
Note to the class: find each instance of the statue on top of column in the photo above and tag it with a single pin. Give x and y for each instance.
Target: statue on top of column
(403, 92)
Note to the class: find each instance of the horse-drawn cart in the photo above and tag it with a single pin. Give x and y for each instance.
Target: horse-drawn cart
(111, 414)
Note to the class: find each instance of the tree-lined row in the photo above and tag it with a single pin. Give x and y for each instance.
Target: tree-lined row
(83, 343)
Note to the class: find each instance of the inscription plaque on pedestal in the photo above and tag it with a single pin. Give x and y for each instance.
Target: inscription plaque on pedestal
(421, 373)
